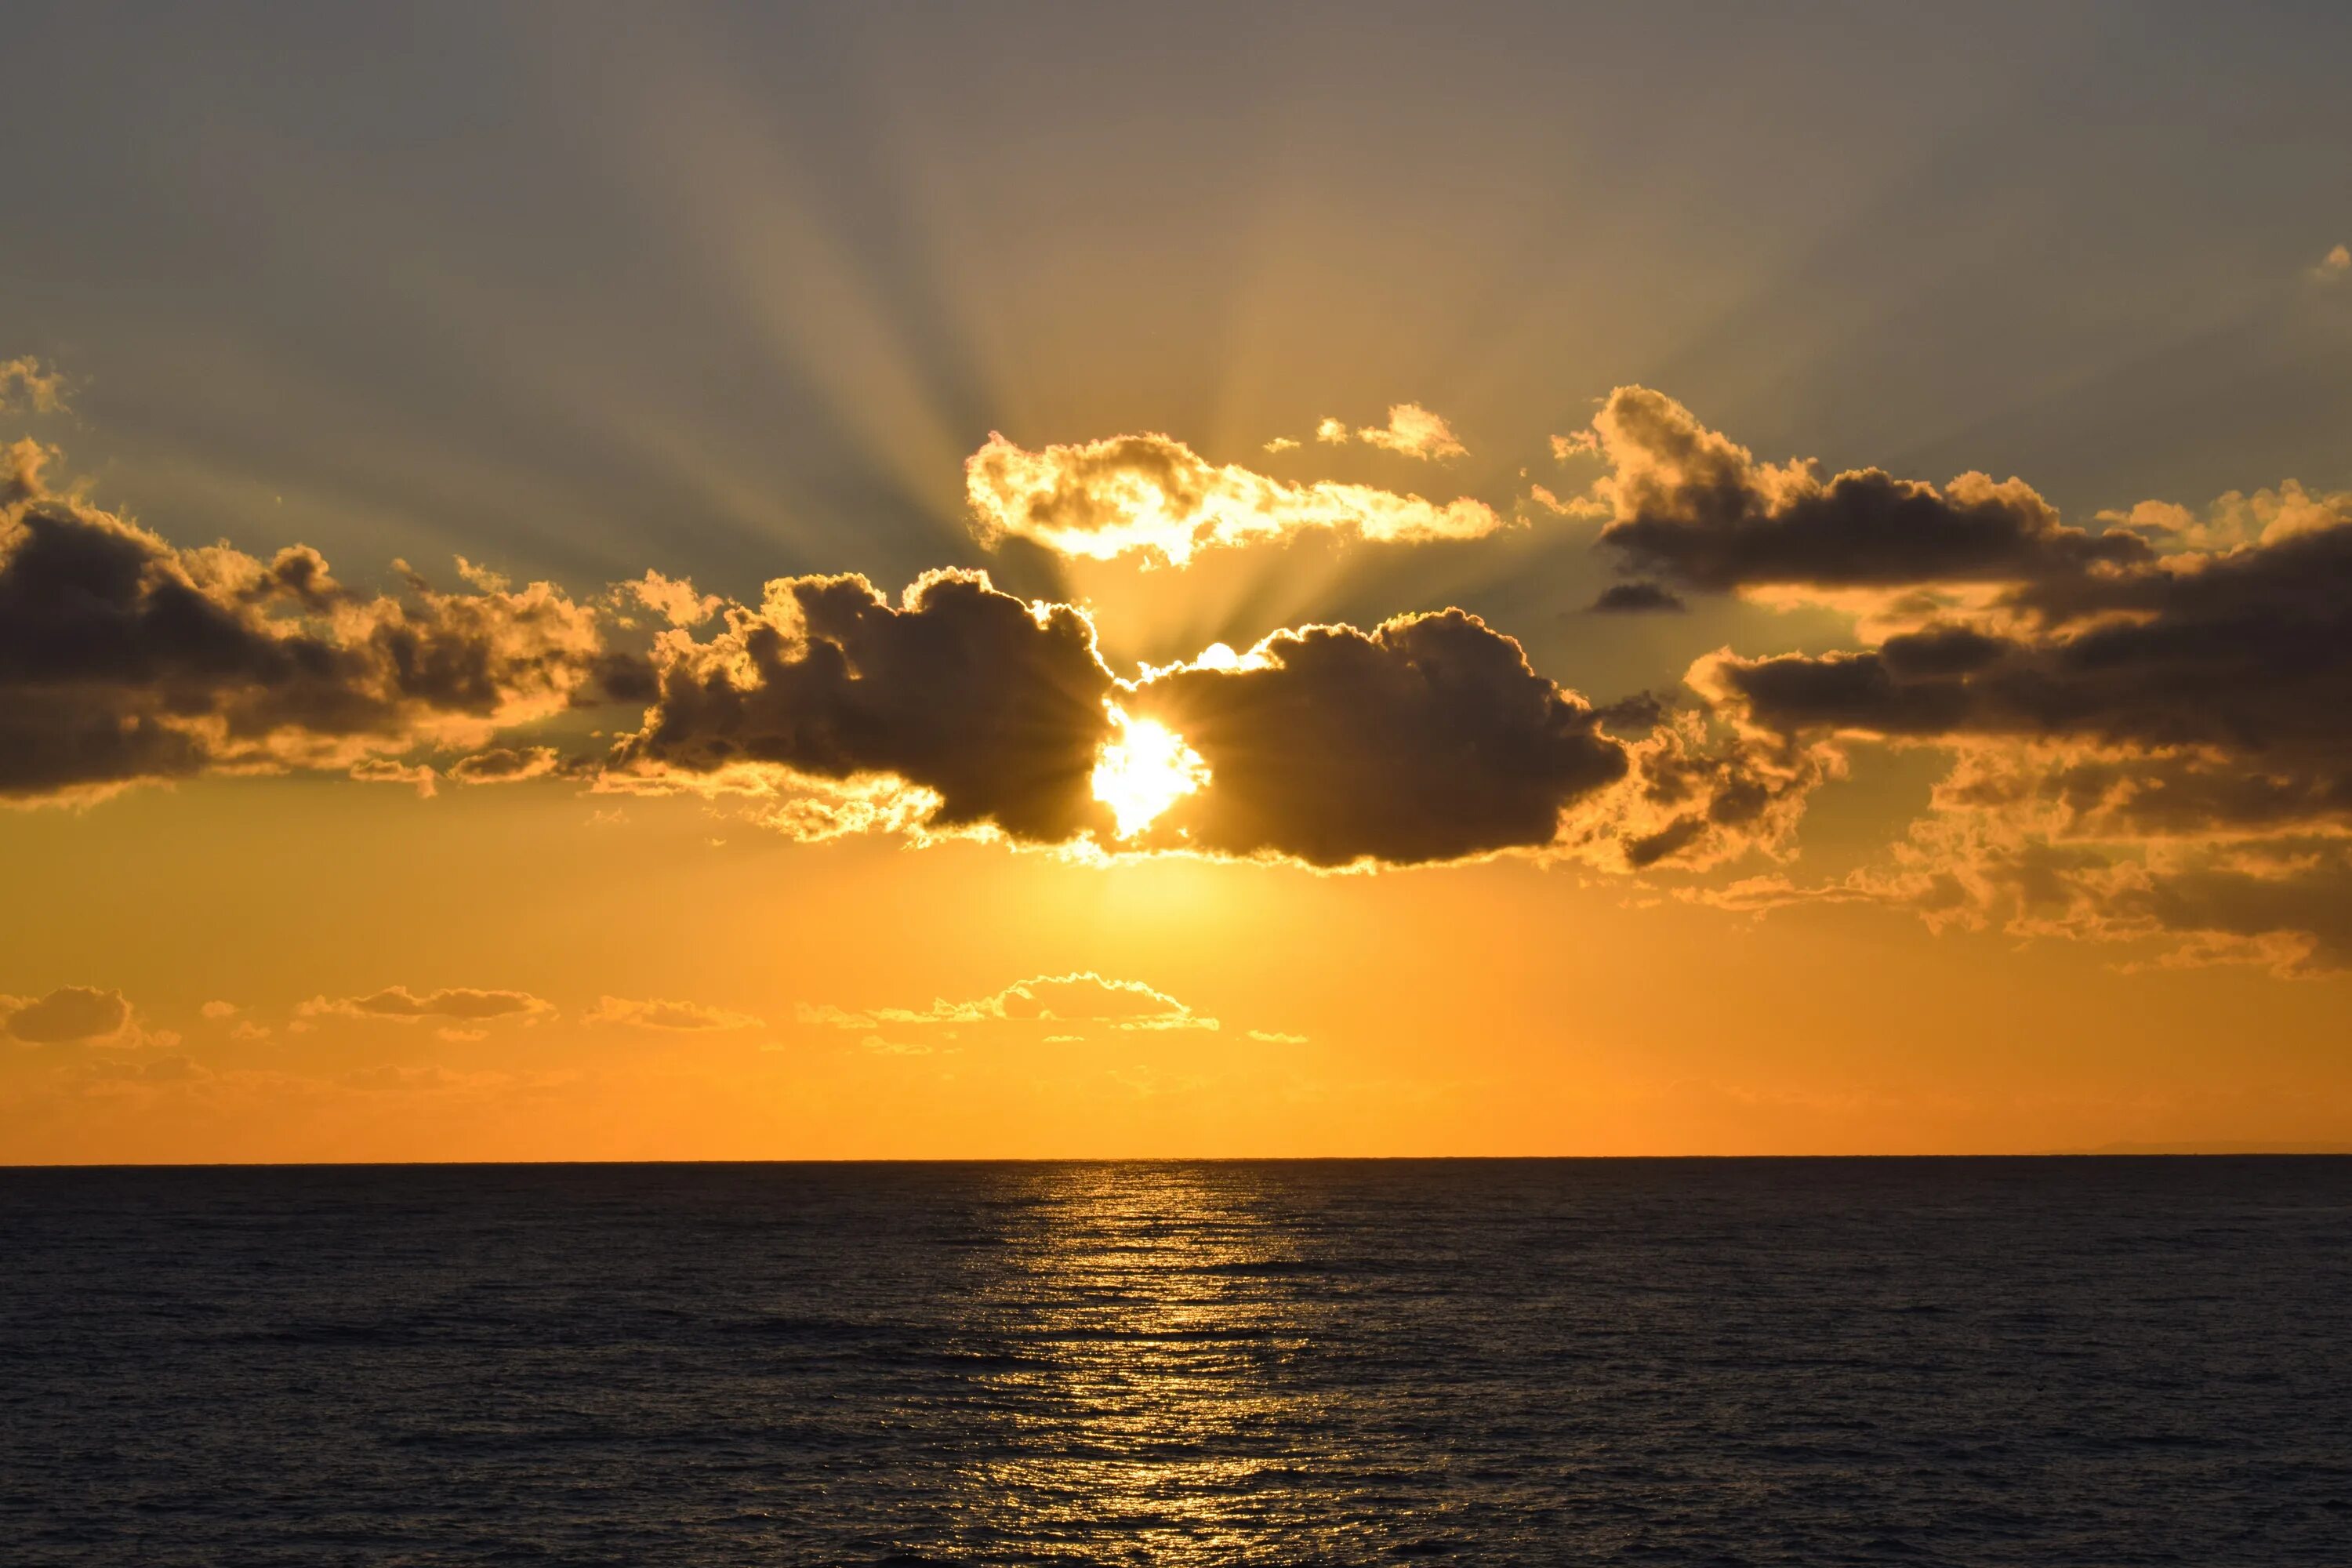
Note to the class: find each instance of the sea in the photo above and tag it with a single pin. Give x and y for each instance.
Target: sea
(2093, 1360)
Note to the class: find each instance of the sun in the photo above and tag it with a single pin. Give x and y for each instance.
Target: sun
(1143, 770)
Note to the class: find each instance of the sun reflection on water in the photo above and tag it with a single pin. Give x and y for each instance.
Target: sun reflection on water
(1149, 1400)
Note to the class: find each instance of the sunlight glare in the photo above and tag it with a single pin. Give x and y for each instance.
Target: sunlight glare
(1143, 770)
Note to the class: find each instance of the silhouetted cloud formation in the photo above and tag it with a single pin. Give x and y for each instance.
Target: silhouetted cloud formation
(2156, 748)
(1687, 503)
(1428, 738)
(2245, 655)
(995, 705)
(123, 659)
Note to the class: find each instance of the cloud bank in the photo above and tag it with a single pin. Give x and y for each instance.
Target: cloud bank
(124, 659)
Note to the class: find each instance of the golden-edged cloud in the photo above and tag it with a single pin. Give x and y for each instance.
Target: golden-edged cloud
(26, 383)
(1689, 505)
(1152, 496)
(123, 659)
(457, 1004)
(2145, 722)
(1427, 738)
(1413, 431)
(1083, 997)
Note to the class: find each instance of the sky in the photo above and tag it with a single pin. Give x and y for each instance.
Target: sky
(692, 582)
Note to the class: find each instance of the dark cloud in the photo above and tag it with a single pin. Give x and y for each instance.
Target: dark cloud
(1426, 739)
(995, 705)
(2246, 656)
(457, 1002)
(1689, 504)
(2152, 750)
(123, 659)
(1638, 598)
(69, 1013)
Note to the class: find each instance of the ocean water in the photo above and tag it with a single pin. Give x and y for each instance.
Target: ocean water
(2114, 1360)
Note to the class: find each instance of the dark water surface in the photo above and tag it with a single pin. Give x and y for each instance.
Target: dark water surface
(1804, 1361)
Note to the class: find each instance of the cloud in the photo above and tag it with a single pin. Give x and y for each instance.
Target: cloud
(1413, 431)
(672, 598)
(963, 708)
(1688, 504)
(2336, 263)
(460, 1003)
(2152, 749)
(504, 765)
(1637, 598)
(71, 1014)
(1428, 738)
(654, 1014)
(419, 776)
(2246, 655)
(124, 659)
(1081, 998)
(1281, 444)
(992, 704)
(24, 383)
(1152, 496)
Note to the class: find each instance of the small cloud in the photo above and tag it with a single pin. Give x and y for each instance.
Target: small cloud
(503, 765)
(247, 1029)
(25, 382)
(1084, 997)
(2336, 263)
(1637, 598)
(482, 577)
(457, 1002)
(1334, 431)
(1282, 443)
(1575, 506)
(1276, 1037)
(70, 1015)
(384, 770)
(219, 1009)
(655, 1013)
(1413, 431)
(672, 598)
(448, 1034)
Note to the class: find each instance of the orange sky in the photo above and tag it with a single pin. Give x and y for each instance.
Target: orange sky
(1240, 613)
